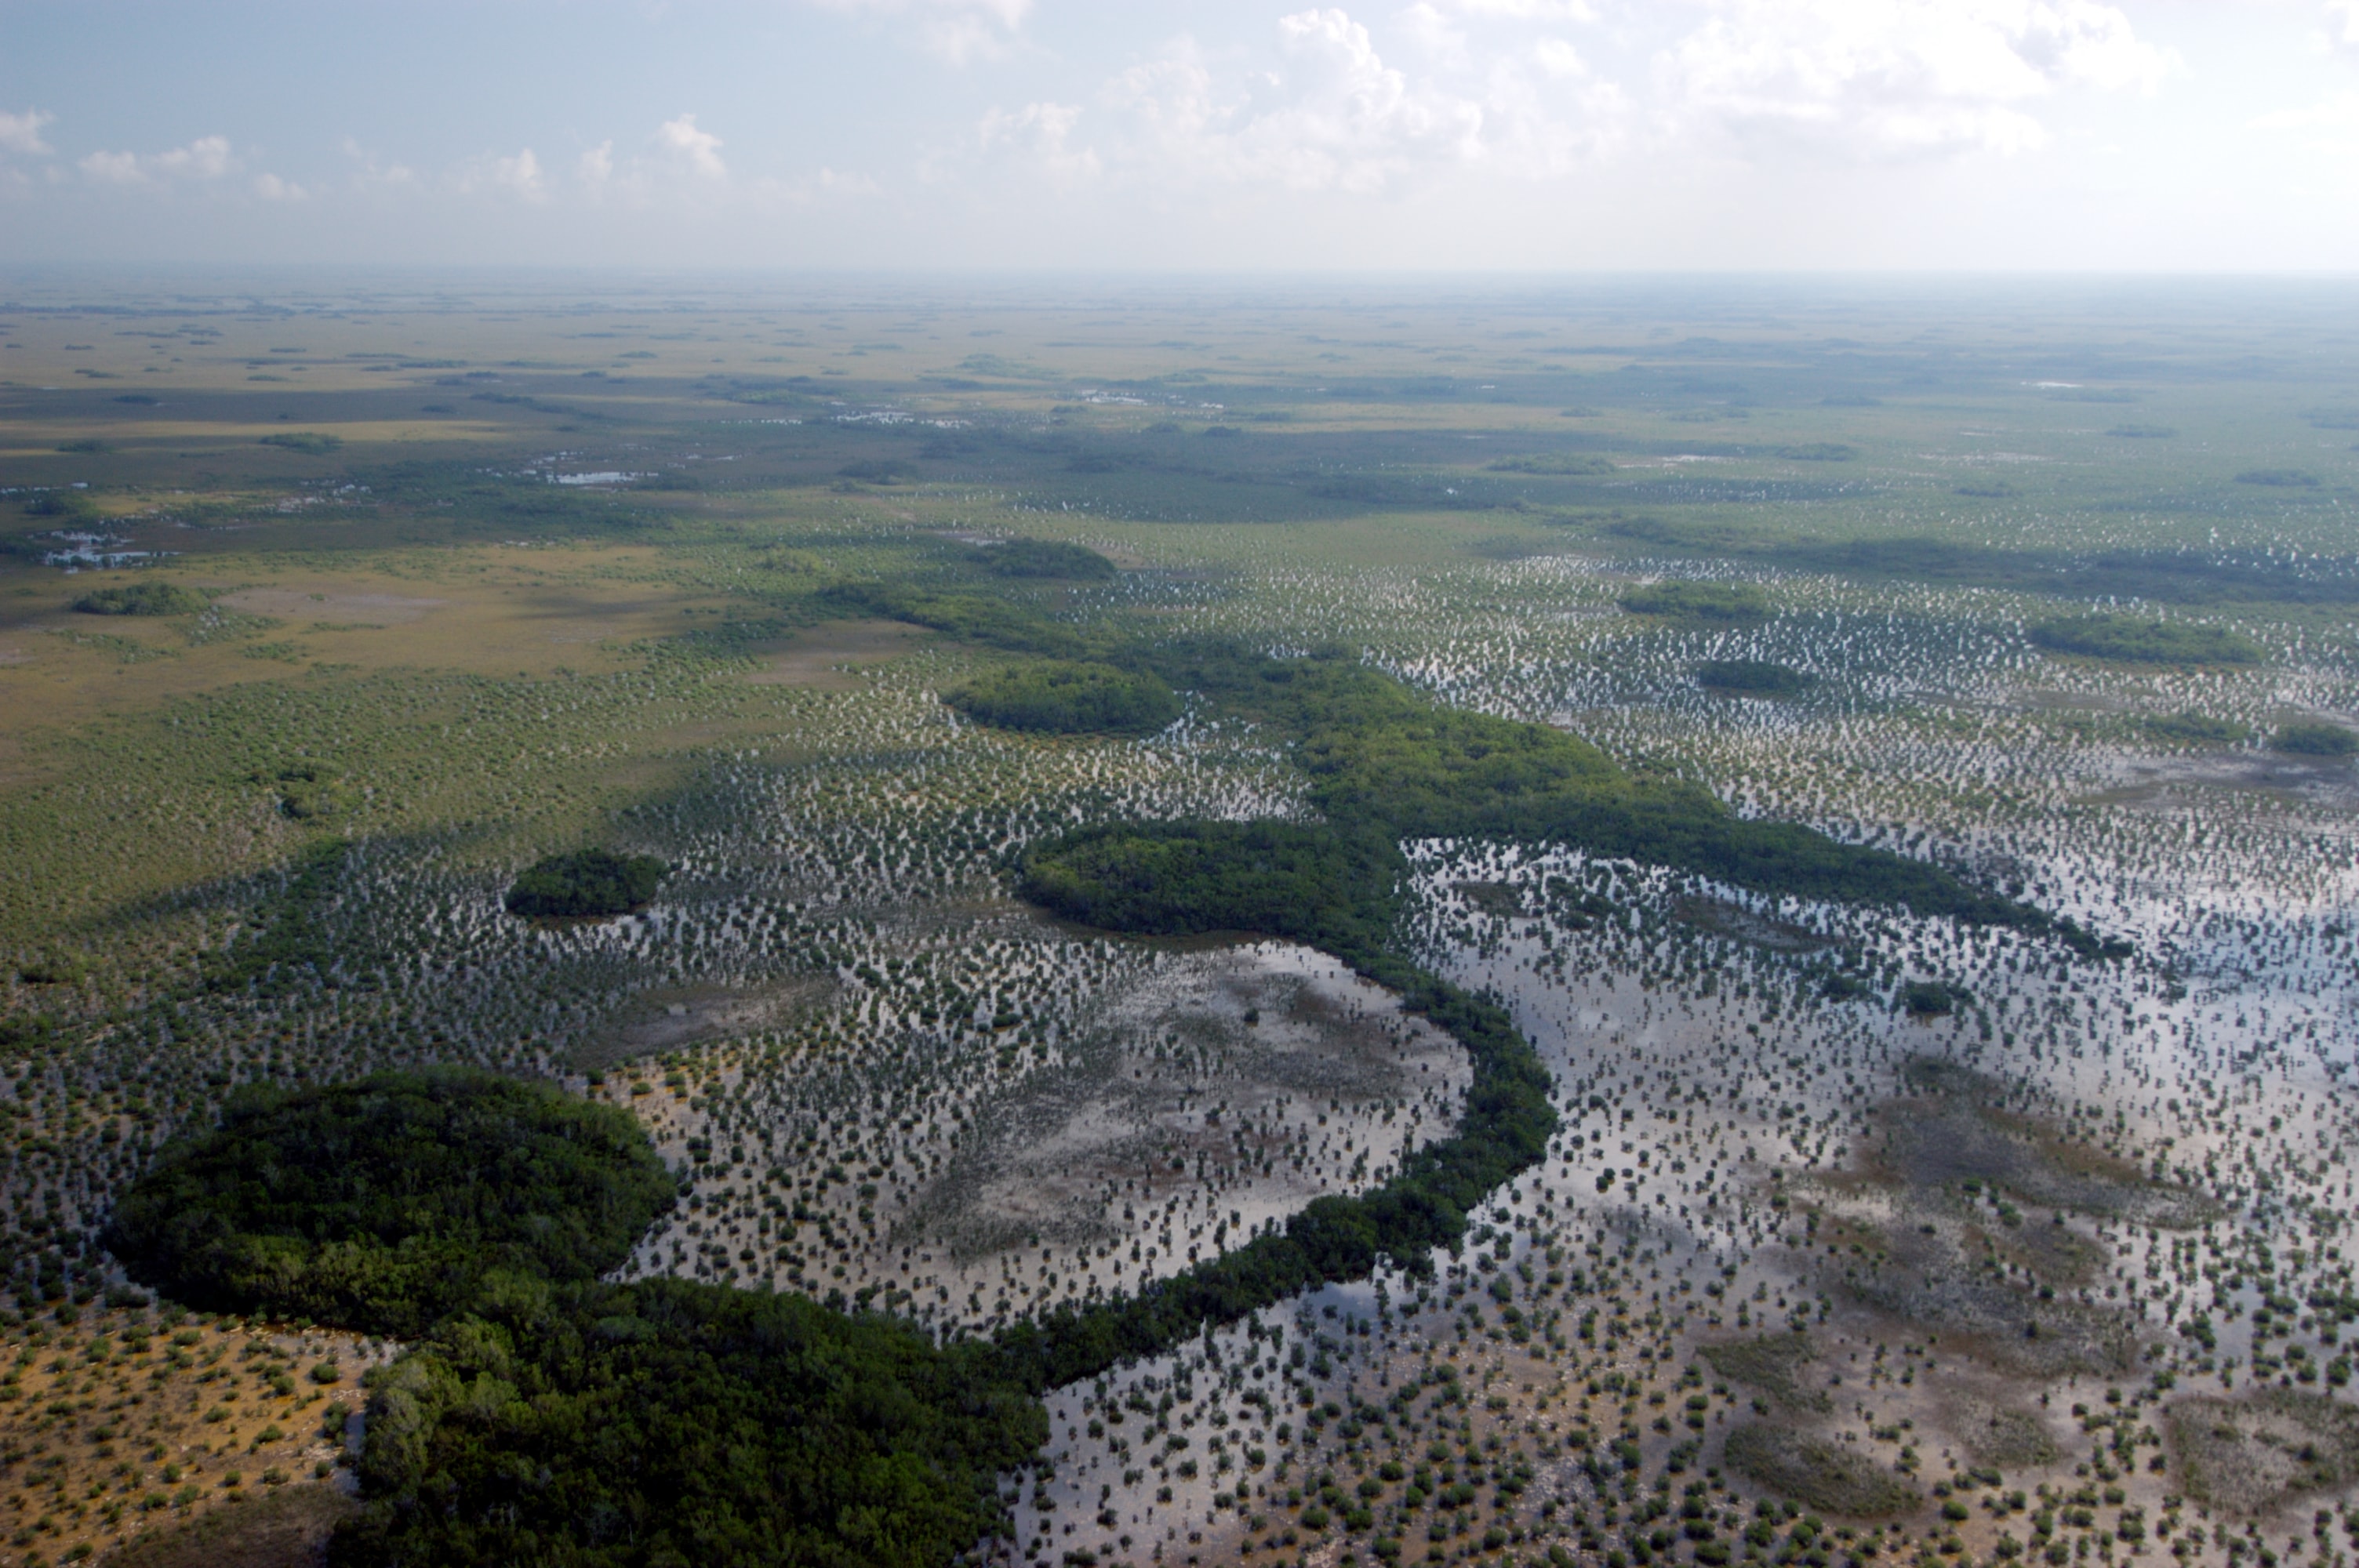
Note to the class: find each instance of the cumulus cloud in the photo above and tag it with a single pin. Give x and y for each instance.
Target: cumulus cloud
(516, 175)
(701, 150)
(957, 30)
(1045, 133)
(207, 157)
(21, 134)
(2340, 29)
(1881, 77)
(271, 188)
(1331, 112)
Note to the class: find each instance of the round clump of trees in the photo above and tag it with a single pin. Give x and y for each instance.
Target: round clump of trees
(387, 1204)
(587, 882)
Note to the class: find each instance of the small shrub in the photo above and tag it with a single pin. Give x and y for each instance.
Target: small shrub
(150, 598)
(310, 443)
(2311, 739)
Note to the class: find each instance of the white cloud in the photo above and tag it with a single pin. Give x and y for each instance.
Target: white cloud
(22, 133)
(1335, 118)
(957, 30)
(2341, 30)
(700, 149)
(2331, 127)
(596, 167)
(1329, 112)
(1559, 59)
(271, 188)
(207, 157)
(1043, 132)
(518, 175)
(1881, 77)
(115, 168)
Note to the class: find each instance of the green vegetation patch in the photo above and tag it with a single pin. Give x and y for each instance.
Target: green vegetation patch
(1819, 452)
(150, 597)
(387, 1204)
(1045, 559)
(668, 1423)
(586, 882)
(1815, 1473)
(310, 443)
(2311, 737)
(1709, 603)
(2195, 730)
(2248, 1456)
(1064, 698)
(2132, 639)
(1773, 1364)
(1555, 464)
(1754, 677)
(2279, 479)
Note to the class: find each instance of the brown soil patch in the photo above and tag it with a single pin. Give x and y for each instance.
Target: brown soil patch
(117, 1424)
(331, 604)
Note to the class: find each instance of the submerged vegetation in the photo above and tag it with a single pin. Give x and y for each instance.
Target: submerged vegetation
(1302, 1021)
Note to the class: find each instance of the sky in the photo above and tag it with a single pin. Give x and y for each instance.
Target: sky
(1458, 135)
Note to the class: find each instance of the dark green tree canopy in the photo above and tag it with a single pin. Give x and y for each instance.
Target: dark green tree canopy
(1045, 559)
(1057, 698)
(2132, 639)
(663, 1423)
(589, 882)
(384, 1205)
(150, 597)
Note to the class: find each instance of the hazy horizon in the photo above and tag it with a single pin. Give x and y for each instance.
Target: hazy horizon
(1450, 135)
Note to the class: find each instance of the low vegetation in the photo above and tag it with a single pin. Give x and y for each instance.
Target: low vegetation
(2132, 639)
(1816, 1472)
(147, 598)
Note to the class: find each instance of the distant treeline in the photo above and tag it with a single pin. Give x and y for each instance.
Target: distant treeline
(2165, 577)
(1386, 758)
